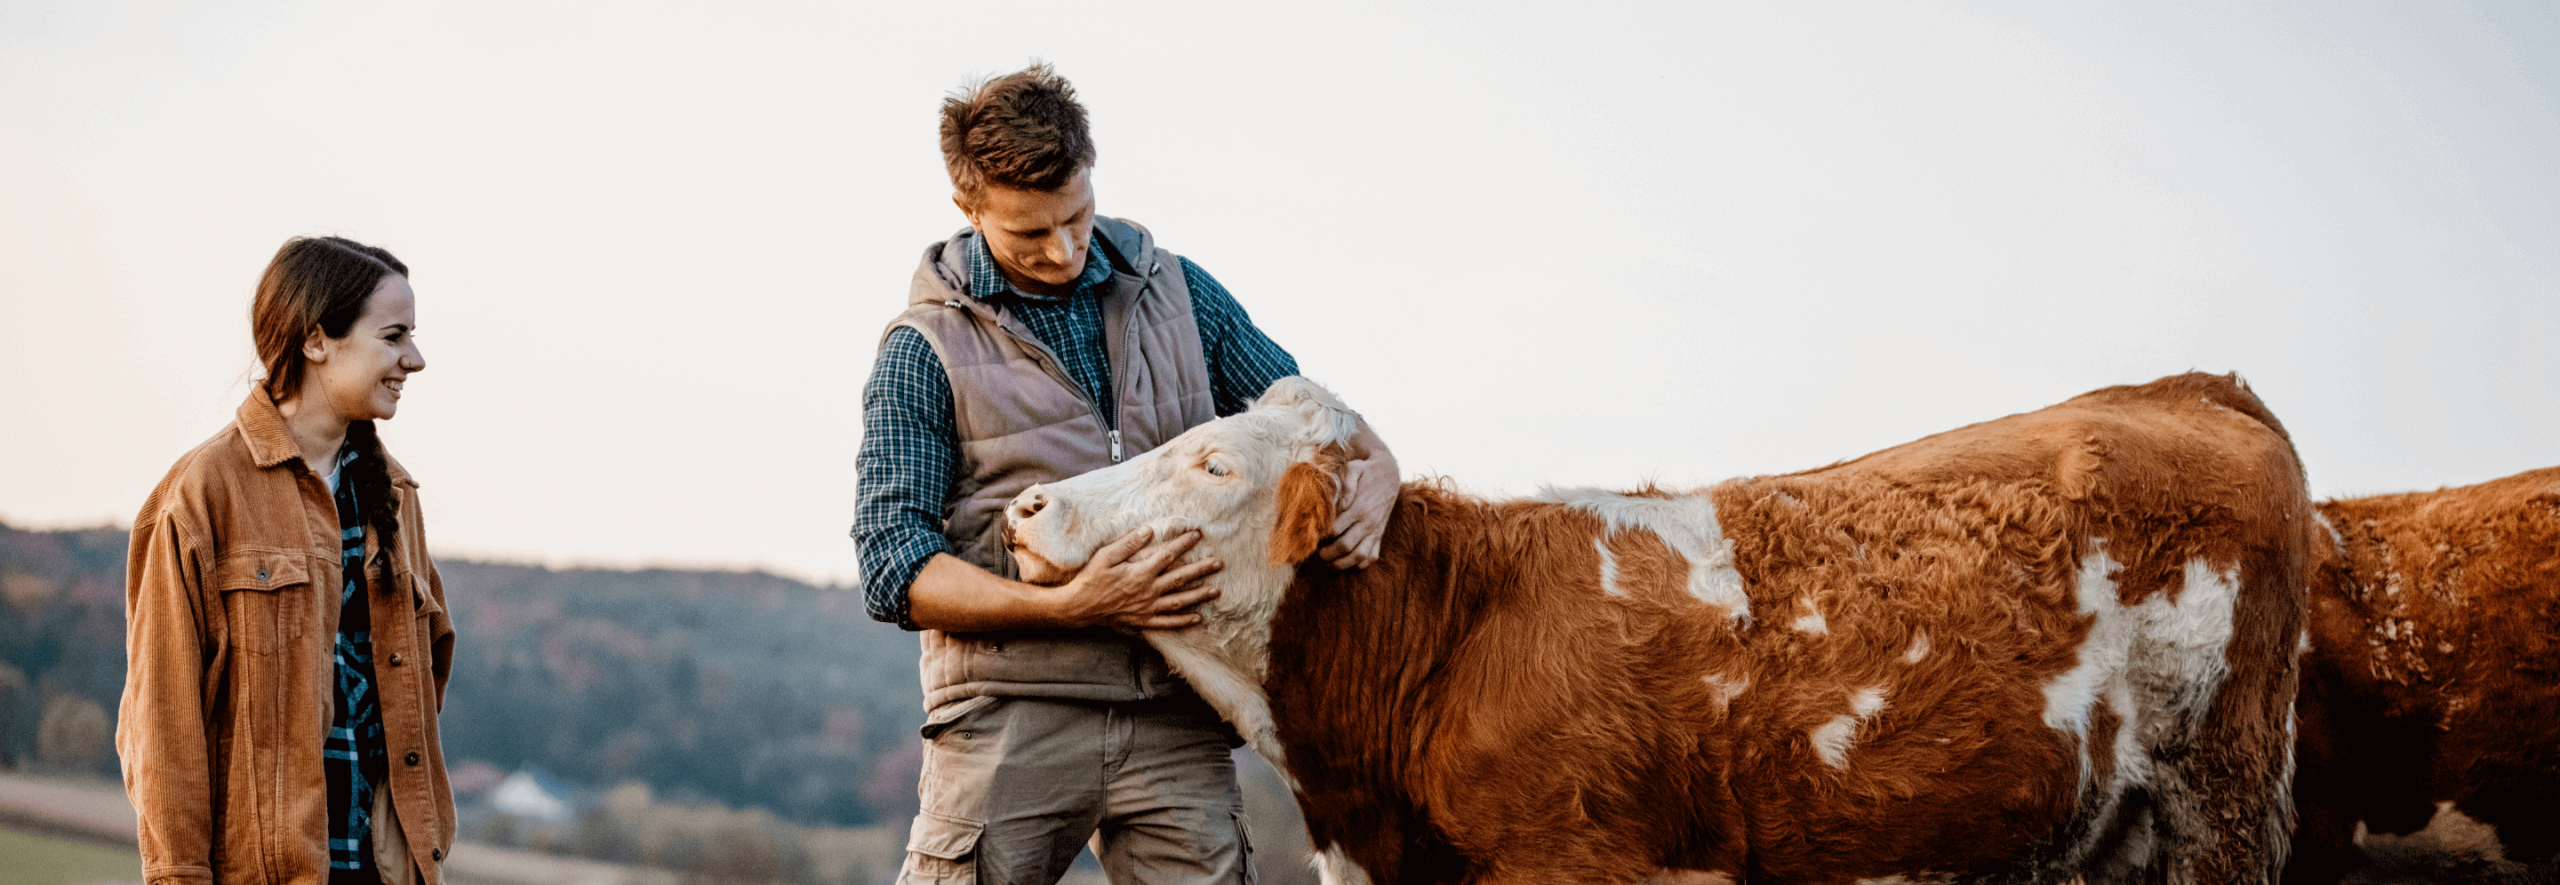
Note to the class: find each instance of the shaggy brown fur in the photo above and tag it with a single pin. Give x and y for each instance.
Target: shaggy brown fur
(2434, 674)
(1483, 706)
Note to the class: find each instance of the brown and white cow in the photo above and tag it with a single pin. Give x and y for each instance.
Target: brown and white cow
(2432, 689)
(2056, 645)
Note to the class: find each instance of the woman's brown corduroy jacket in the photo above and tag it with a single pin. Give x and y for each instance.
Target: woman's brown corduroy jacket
(231, 615)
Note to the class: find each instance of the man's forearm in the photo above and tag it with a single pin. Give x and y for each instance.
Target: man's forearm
(956, 597)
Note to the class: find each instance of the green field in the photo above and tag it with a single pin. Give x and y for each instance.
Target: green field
(36, 860)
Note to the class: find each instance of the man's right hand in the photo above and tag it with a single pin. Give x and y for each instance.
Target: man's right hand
(1131, 582)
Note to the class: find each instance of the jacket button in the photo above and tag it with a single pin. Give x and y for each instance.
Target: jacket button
(395, 660)
(412, 758)
(262, 576)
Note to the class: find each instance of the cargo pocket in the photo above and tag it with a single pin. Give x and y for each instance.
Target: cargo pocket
(266, 600)
(1244, 849)
(941, 850)
(947, 715)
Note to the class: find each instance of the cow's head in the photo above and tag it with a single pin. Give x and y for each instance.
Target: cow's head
(1262, 487)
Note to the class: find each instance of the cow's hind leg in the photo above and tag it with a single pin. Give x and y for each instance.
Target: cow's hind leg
(2223, 785)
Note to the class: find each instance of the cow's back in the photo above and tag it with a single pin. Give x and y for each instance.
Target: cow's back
(2067, 635)
(2435, 670)
(2058, 644)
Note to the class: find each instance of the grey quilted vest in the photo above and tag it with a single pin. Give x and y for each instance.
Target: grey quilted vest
(1021, 421)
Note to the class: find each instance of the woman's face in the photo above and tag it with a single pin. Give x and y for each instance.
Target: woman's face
(361, 374)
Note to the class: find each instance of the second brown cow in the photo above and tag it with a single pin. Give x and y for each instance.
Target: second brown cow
(2433, 685)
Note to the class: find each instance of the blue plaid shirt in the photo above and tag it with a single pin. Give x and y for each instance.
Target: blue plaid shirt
(910, 453)
(353, 755)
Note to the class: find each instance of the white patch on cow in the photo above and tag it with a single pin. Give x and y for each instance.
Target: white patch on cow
(1726, 689)
(2068, 698)
(2190, 638)
(1687, 524)
(1812, 621)
(2338, 540)
(1608, 569)
(1335, 868)
(2156, 664)
(1867, 701)
(2178, 645)
(1833, 740)
(1919, 649)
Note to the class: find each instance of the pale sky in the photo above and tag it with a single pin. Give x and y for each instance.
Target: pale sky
(654, 246)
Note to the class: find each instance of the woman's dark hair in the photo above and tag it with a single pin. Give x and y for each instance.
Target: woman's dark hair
(324, 283)
(312, 281)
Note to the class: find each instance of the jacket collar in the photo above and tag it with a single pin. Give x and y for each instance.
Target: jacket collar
(262, 424)
(271, 442)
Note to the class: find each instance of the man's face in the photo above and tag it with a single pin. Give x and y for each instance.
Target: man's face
(1037, 237)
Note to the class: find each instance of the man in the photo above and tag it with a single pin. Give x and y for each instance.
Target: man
(1043, 342)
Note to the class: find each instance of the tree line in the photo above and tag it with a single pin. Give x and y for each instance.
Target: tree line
(742, 688)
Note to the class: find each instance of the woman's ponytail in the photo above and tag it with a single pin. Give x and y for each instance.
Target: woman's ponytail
(371, 472)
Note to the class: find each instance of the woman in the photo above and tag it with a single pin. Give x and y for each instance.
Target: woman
(286, 639)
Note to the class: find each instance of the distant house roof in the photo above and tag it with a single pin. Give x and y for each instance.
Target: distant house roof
(532, 793)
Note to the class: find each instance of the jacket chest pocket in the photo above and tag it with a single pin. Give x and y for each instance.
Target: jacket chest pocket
(268, 600)
(414, 645)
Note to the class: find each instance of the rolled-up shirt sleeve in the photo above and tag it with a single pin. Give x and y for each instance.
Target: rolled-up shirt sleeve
(903, 471)
(1242, 361)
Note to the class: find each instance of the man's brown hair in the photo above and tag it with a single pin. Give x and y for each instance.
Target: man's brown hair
(1023, 130)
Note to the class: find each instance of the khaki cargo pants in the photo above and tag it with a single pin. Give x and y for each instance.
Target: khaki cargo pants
(1012, 787)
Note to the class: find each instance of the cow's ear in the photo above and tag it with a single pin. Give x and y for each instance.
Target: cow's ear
(1306, 513)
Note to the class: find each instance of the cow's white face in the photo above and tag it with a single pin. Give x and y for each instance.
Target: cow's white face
(1262, 487)
(1225, 479)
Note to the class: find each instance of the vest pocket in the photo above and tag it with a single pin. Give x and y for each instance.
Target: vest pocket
(942, 850)
(266, 600)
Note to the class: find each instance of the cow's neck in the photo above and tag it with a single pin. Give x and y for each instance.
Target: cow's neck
(1358, 649)
(1362, 664)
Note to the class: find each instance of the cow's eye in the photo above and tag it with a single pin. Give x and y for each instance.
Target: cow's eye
(1216, 469)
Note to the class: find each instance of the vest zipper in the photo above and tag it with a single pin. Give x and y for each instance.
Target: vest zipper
(1057, 369)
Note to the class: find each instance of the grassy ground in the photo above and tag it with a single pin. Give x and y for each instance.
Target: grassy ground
(36, 860)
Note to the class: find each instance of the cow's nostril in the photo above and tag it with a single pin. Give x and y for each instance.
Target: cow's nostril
(1028, 505)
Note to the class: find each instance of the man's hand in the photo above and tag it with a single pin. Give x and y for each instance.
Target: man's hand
(1375, 482)
(1131, 583)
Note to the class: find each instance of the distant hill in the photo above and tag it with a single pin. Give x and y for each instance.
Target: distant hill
(744, 688)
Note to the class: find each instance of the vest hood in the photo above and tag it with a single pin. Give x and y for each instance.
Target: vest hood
(943, 276)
